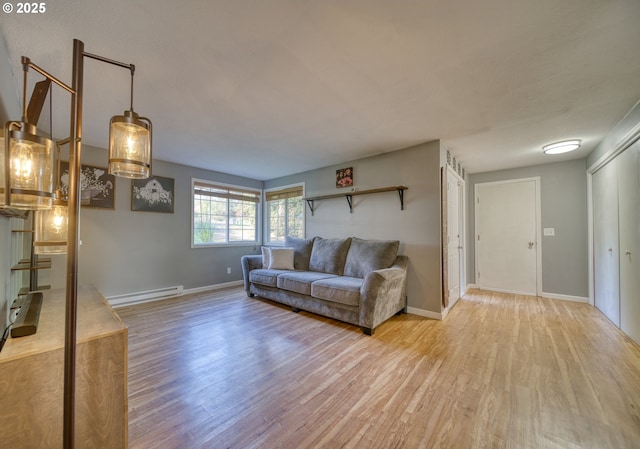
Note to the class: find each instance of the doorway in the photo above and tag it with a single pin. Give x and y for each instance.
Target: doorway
(508, 235)
(454, 236)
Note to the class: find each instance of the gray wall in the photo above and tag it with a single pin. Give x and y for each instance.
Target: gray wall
(5, 236)
(9, 108)
(378, 216)
(127, 252)
(563, 197)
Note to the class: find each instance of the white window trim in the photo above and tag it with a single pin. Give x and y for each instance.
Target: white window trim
(265, 237)
(232, 186)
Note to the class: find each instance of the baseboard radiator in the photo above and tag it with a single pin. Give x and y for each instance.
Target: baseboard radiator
(128, 299)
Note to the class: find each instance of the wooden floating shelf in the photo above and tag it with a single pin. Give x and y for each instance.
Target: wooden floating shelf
(349, 196)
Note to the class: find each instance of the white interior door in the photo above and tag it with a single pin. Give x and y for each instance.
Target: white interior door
(628, 168)
(455, 188)
(606, 268)
(507, 232)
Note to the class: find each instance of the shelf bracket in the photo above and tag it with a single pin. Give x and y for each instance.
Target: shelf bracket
(401, 193)
(310, 204)
(350, 201)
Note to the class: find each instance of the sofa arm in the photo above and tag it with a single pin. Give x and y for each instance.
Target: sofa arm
(383, 293)
(249, 263)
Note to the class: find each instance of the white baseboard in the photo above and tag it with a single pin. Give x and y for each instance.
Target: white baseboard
(543, 295)
(426, 313)
(208, 288)
(129, 299)
(565, 297)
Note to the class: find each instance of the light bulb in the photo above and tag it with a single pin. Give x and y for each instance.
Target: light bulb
(131, 148)
(23, 165)
(57, 219)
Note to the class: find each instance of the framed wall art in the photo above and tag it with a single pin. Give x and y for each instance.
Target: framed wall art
(97, 187)
(344, 177)
(154, 194)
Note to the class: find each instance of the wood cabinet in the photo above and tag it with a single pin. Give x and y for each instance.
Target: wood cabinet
(31, 378)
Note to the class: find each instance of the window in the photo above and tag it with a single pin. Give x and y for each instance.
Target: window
(224, 214)
(284, 213)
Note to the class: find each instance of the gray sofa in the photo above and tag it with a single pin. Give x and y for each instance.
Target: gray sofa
(357, 281)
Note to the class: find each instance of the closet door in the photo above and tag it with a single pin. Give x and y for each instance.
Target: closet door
(628, 167)
(605, 242)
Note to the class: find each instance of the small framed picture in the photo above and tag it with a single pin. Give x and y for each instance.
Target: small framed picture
(97, 187)
(154, 194)
(344, 177)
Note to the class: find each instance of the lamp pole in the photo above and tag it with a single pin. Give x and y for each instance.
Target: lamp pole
(73, 240)
(71, 309)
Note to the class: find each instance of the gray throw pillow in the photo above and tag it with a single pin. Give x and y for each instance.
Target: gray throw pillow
(329, 255)
(301, 251)
(369, 255)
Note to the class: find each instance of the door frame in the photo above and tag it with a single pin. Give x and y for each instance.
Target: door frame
(538, 225)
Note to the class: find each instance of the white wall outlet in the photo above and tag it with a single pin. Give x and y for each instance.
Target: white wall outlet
(549, 232)
(228, 270)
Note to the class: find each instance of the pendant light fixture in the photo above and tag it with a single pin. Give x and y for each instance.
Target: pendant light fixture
(130, 143)
(28, 168)
(28, 162)
(129, 156)
(50, 236)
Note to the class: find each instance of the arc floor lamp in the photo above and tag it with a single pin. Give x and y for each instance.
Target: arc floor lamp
(28, 184)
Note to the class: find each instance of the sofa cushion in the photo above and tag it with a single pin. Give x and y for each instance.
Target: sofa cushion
(369, 255)
(265, 277)
(300, 281)
(343, 289)
(329, 255)
(301, 251)
(281, 258)
(266, 256)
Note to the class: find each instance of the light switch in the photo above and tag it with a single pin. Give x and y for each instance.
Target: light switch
(549, 232)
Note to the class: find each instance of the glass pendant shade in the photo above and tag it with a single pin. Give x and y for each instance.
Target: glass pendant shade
(50, 235)
(130, 146)
(30, 169)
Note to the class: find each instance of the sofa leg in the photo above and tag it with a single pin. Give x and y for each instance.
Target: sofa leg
(295, 309)
(251, 295)
(367, 331)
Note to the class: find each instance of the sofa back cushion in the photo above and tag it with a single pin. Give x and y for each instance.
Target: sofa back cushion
(369, 255)
(301, 251)
(329, 255)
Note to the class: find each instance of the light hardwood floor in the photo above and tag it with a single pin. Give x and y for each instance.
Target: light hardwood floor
(221, 370)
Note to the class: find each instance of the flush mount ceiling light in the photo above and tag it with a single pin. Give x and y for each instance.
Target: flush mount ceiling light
(561, 147)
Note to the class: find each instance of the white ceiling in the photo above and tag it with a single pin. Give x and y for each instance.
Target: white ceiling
(267, 88)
